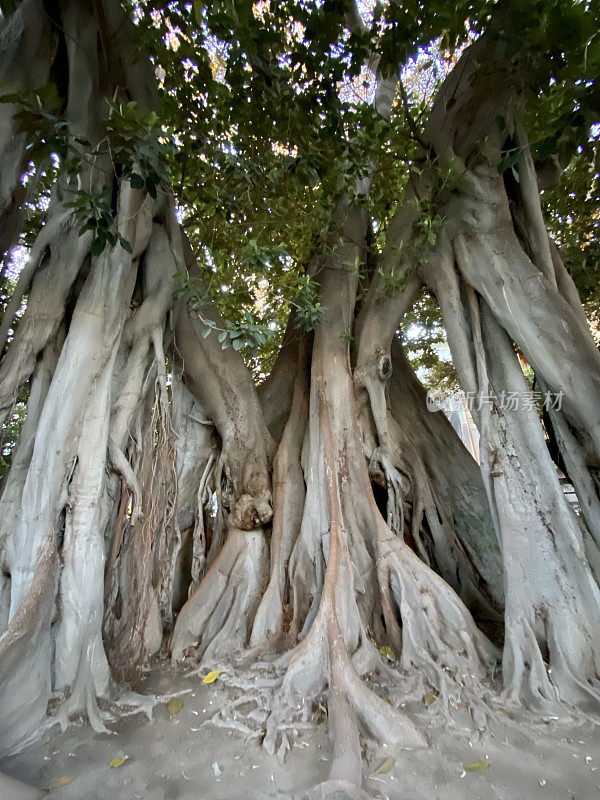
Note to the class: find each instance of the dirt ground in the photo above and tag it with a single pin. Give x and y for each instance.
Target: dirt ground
(185, 757)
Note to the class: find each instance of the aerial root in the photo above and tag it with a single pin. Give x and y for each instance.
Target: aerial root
(199, 533)
(120, 464)
(216, 617)
(82, 699)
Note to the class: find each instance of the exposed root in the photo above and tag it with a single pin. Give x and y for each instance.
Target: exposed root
(335, 790)
(216, 619)
(323, 657)
(439, 637)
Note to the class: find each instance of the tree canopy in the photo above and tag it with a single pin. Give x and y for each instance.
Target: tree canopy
(262, 110)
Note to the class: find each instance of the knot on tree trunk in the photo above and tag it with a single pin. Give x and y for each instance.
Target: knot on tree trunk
(384, 366)
(251, 512)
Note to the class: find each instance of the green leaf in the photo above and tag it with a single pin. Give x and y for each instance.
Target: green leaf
(509, 160)
(97, 246)
(11, 98)
(118, 761)
(546, 147)
(125, 245)
(198, 6)
(151, 187)
(136, 181)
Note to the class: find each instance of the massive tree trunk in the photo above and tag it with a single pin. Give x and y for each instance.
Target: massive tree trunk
(326, 523)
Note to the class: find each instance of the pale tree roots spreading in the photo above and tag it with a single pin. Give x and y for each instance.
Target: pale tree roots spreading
(326, 524)
(342, 584)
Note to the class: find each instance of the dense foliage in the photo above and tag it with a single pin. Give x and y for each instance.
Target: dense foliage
(255, 187)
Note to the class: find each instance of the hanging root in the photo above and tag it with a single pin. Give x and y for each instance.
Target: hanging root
(199, 533)
(133, 626)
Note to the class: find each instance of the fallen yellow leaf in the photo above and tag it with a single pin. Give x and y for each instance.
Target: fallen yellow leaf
(430, 698)
(174, 706)
(477, 766)
(385, 767)
(212, 676)
(118, 762)
(387, 652)
(64, 781)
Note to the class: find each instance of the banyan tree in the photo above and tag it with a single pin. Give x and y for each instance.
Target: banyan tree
(229, 213)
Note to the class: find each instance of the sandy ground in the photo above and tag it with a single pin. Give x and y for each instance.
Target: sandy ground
(180, 758)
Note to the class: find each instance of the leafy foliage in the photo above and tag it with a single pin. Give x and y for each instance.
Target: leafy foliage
(136, 143)
(10, 432)
(95, 212)
(424, 338)
(139, 146)
(572, 211)
(308, 309)
(38, 117)
(264, 115)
